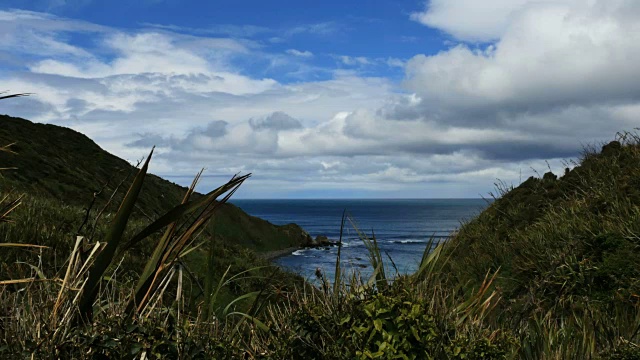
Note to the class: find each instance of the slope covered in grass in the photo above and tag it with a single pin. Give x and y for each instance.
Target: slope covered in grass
(61, 164)
(567, 252)
(586, 220)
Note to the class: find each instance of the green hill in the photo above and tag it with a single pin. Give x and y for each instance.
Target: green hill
(567, 254)
(64, 165)
(56, 172)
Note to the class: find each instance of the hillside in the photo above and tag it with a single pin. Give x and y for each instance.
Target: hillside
(65, 165)
(586, 218)
(567, 254)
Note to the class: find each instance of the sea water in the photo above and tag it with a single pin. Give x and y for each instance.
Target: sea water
(401, 227)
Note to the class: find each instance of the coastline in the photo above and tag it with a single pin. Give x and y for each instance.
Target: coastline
(275, 254)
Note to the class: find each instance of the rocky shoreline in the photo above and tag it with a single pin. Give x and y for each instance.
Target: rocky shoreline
(320, 241)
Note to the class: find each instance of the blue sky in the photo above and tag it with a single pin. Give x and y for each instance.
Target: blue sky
(378, 37)
(411, 98)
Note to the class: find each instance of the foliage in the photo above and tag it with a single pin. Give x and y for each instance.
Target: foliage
(568, 250)
(549, 271)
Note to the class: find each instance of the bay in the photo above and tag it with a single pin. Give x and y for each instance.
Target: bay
(402, 228)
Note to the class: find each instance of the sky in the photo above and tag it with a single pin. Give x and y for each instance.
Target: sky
(331, 99)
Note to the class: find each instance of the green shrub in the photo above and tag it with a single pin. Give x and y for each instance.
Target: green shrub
(389, 327)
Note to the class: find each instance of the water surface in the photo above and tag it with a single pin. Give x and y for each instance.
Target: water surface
(402, 228)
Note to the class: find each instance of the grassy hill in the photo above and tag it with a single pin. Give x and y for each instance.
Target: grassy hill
(566, 250)
(55, 173)
(61, 164)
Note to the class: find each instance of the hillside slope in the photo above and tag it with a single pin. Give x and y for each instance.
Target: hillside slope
(65, 165)
(566, 250)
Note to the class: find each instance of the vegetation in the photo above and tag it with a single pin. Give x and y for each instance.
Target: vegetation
(57, 163)
(548, 271)
(567, 252)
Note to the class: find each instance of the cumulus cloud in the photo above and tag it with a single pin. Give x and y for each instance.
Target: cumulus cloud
(575, 56)
(564, 67)
(470, 19)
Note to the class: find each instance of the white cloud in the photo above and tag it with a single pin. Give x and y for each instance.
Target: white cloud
(354, 60)
(321, 29)
(276, 121)
(142, 53)
(40, 34)
(470, 19)
(304, 54)
(395, 62)
(552, 55)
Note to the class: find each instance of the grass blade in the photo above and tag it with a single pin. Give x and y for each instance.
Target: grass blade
(171, 245)
(112, 240)
(338, 276)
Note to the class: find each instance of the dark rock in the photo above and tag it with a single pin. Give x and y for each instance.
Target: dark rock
(320, 241)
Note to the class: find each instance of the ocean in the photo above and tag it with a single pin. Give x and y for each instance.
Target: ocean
(402, 229)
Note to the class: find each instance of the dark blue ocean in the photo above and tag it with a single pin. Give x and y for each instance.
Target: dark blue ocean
(402, 228)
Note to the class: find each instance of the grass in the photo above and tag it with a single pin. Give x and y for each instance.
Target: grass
(550, 270)
(91, 288)
(92, 305)
(568, 254)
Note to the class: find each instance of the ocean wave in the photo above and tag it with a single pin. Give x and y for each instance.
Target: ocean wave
(410, 241)
(299, 252)
(420, 237)
(351, 244)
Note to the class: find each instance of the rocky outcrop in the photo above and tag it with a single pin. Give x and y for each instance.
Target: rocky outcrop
(321, 241)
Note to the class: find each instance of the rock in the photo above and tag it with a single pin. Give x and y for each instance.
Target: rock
(320, 241)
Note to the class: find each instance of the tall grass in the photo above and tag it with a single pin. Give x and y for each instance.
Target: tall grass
(549, 271)
(44, 316)
(568, 253)
(88, 284)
